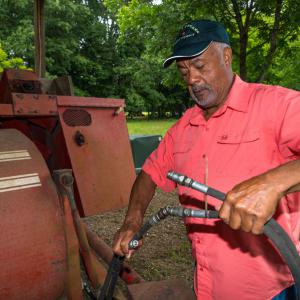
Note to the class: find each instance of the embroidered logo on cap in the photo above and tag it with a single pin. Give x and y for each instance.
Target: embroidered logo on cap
(186, 32)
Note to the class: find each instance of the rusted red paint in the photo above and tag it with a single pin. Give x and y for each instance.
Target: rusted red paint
(6, 110)
(73, 275)
(89, 102)
(18, 81)
(103, 133)
(32, 241)
(64, 181)
(34, 104)
(77, 234)
(73, 278)
(97, 148)
(100, 155)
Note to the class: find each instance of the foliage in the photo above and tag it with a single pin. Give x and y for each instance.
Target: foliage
(17, 35)
(259, 30)
(285, 65)
(263, 37)
(80, 40)
(8, 63)
(115, 48)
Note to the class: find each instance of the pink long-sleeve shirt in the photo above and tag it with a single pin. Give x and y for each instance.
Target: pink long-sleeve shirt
(258, 128)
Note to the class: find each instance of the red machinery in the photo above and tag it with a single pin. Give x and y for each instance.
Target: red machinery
(73, 132)
(32, 241)
(88, 135)
(43, 128)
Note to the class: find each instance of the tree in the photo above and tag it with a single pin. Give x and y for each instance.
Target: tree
(115, 48)
(17, 36)
(140, 72)
(285, 66)
(13, 62)
(260, 30)
(80, 41)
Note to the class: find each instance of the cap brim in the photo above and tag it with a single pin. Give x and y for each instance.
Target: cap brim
(183, 53)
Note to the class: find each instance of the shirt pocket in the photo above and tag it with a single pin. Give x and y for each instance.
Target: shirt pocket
(238, 153)
(238, 138)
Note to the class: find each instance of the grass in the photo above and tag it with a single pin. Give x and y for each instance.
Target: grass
(144, 126)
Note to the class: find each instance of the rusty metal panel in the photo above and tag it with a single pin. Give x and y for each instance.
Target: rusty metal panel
(89, 102)
(18, 74)
(34, 104)
(99, 149)
(32, 240)
(6, 110)
(18, 81)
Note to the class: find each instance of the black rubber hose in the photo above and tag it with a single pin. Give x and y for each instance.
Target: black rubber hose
(286, 248)
(272, 229)
(108, 288)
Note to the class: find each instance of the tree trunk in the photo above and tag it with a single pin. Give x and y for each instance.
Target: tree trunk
(273, 42)
(243, 55)
(243, 39)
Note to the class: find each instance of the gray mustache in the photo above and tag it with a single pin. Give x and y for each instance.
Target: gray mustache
(200, 88)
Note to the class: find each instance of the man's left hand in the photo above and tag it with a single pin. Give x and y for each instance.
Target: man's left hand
(250, 204)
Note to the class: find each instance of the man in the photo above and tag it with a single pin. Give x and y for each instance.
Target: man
(239, 137)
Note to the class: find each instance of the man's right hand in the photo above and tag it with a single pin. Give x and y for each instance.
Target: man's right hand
(122, 238)
(141, 194)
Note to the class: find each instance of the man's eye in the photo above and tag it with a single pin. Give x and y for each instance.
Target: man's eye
(199, 67)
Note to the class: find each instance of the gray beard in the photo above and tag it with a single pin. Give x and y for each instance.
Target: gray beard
(201, 103)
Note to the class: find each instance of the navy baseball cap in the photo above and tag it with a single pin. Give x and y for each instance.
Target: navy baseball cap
(194, 38)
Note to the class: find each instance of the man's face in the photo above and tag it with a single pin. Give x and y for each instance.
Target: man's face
(208, 76)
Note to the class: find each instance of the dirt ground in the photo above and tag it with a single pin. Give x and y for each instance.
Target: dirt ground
(166, 253)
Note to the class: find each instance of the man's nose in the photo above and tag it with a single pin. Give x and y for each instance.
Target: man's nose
(193, 77)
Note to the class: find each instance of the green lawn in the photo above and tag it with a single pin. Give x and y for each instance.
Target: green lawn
(144, 126)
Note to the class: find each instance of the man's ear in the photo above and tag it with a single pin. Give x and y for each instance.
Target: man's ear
(227, 52)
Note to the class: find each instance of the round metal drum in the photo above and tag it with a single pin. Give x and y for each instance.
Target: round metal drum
(32, 239)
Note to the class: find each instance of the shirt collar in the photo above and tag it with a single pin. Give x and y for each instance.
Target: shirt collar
(237, 100)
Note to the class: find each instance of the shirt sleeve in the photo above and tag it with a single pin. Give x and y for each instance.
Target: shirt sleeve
(289, 127)
(160, 162)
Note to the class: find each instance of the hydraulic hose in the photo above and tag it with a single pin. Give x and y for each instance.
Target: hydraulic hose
(170, 211)
(106, 292)
(272, 229)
